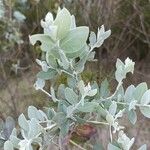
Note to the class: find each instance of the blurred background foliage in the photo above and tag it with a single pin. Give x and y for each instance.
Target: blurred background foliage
(129, 21)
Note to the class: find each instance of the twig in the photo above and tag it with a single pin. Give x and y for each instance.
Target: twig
(97, 122)
(110, 133)
(138, 105)
(117, 88)
(75, 144)
(46, 92)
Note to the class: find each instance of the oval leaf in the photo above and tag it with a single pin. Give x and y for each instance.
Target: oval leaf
(8, 145)
(51, 73)
(63, 22)
(139, 91)
(112, 147)
(143, 147)
(145, 111)
(71, 96)
(145, 98)
(23, 123)
(88, 107)
(132, 116)
(46, 41)
(75, 41)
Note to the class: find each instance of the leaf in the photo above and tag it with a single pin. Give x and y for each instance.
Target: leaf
(29, 146)
(23, 123)
(63, 22)
(33, 112)
(71, 96)
(101, 111)
(79, 66)
(50, 74)
(8, 128)
(61, 91)
(2, 143)
(1, 124)
(54, 51)
(104, 89)
(9, 124)
(92, 92)
(14, 132)
(120, 93)
(51, 60)
(39, 84)
(8, 145)
(88, 107)
(81, 87)
(2, 9)
(139, 91)
(119, 74)
(75, 40)
(80, 120)
(53, 95)
(112, 147)
(132, 105)
(128, 96)
(91, 56)
(101, 36)
(132, 116)
(92, 38)
(123, 69)
(73, 22)
(43, 65)
(50, 113)
(110, 119)
(49, 27)
(64, 61)
(119, 114)
(49, 17)
(125, 142)
(60, 118)
(47, 43)
(19, 16)
(145, 98)
(98, 147)
(72, 83)
(145, 111)
(34, 128)
(64, 128)
(143, 147)
(15, 141)
(129, 65)
(113, 108)
(71, 109)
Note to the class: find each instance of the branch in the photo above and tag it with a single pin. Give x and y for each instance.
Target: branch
(75, 144)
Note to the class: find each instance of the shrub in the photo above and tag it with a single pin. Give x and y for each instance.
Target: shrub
(79, 107)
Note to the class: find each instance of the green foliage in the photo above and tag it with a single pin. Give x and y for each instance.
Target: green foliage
(2, 9)
(6, 130)
(67, 50)
(10, 25)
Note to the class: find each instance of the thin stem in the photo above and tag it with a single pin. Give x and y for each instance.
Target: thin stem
(50, 127)
(110, 133)
(97, 122)
(76, 106)
(117, 88)
(47, 128)
(138, 105)
(75, 144)
(67, 73)
(46, 92)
